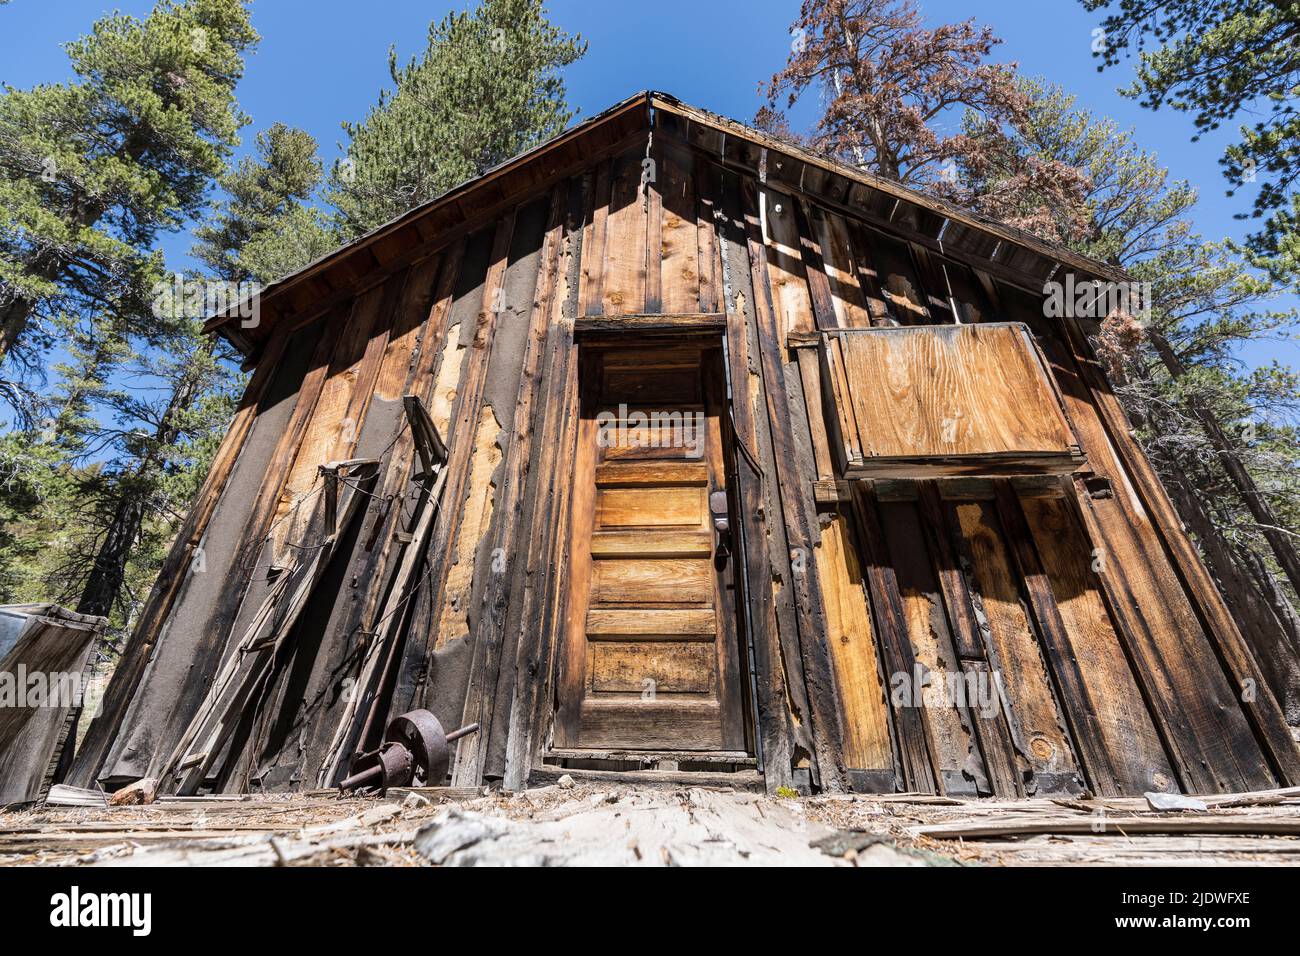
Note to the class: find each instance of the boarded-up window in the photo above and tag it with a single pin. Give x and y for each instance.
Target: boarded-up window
(945, 400)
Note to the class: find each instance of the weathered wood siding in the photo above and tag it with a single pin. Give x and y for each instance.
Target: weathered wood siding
(1120, 669)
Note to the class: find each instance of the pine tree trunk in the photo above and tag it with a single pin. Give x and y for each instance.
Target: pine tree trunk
(104, 583)
(12, 324)
(107, 575)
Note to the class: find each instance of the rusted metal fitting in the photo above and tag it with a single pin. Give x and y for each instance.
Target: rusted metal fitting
(415, 751)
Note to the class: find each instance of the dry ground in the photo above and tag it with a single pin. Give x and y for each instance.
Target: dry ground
(603, 823)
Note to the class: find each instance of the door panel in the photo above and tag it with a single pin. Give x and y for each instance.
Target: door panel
(682, 544)
(681, 507)
(650, 656)
(653, 431)
(674, 667)
(686, 624)
(651, 582)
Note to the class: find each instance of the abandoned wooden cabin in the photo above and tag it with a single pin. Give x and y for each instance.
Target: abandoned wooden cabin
(669, 446)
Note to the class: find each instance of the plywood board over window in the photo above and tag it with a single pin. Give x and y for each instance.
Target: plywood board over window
(943, 400)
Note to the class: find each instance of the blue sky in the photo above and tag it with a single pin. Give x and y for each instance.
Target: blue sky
(325, 61)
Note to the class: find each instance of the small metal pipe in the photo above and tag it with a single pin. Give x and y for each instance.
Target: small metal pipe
(365, 776)
(462, 732)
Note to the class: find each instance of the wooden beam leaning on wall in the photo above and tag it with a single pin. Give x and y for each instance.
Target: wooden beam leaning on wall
(228, 702)
(385, 629)
(415, 348)
(257, 523)
(465, 421)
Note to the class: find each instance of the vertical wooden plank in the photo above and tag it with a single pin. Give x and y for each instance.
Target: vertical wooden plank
(625, 245)
(1209, 756)
(781, 694)
(731, 694)
(823, 304)
(791, 305)
(820, 291)
(775, 740)
(898, 282)
(932, 683)
(934, 281)
(462, 438)
(591, 290)
(844, 433)
(797, 509)
(810, 373)
(270, 495)
(838, 257)
(654, 201)
(472, 751)
(867, 744)
(1036, 725)
(869, 282)
(992, 727)
(678, 248)
(424, 382)
(408, 328)
(539, 598)
(911, 729)
(708, 262)
(333, 428)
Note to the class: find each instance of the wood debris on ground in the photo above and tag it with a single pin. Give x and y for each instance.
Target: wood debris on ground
(608, 824)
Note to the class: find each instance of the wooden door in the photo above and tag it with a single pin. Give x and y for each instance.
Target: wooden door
(650, 649)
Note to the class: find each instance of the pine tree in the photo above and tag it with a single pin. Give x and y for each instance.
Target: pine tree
(260, 230)
(264, 228)
(887, 84)
(1222, 62)
(153, 438)
(487, 88)
(94, 169)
